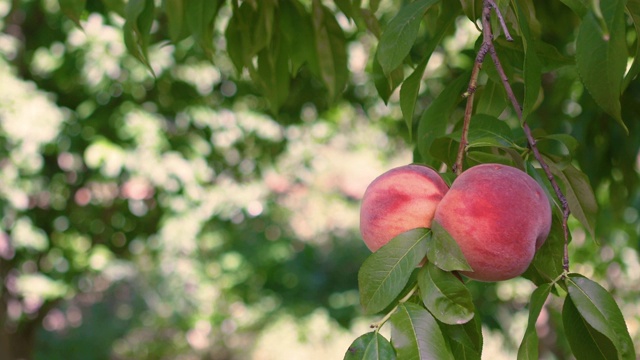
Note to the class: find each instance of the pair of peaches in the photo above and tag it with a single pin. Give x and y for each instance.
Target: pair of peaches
(498, 215)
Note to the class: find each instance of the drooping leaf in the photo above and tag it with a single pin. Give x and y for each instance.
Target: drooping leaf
(139, 15)
(596, 305)
(415, 334)
(550, 57)
(492, 99)
(385, 272)
(578, 192)
(601, 56)
(175, 11)
(346, 6)
(529, 347)
(445, 295)
(472, 8)
(444, 252)
(547, 262)
(411, 86)
(371, 22)
(443, 149)
(200, 18)
(400, 34)
(331, 48)
(370, 346)
(486, 130)
(273, 74)
(386, 84)
(465, 339)
(586, 343)
(409, 94)
(569, 142)
(532, 68)
(578, 6)
(633, 8)
(73, 9)
(435, 118)
(297, 29)
(374, 4)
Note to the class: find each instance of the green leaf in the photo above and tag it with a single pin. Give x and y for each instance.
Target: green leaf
(264, 26)
(486, 130)
(400, 34)
(596, 305)
(273, 74)
(411, 86)
(374, 4)
(297, 29)
(371, 22)
(434, 120)
(532, 68)
(565, 139)
(529, 347)
(465, 339)
(200, 17)
(234, 40)
(73, 9)
(633, 8)
(577, 6)
(385, 272)
(492, 99)
(409, 93)
(331, 48)
(578, 193)
(370, 346)
(444, 252)
(601, 57)
(347, 8)
(175, 11)
(386, 84)
(415, 334)
(547, 263)
(445, 295)
(586, 343)
(472, 8)
(139, 15)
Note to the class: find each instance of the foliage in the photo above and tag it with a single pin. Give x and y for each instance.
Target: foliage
(176, 175)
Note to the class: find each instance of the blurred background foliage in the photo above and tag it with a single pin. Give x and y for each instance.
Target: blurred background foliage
(179, 214)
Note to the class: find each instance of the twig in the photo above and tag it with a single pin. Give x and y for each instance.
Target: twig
(501, 19)
(379, 324)
(488, 47)
(473, 83)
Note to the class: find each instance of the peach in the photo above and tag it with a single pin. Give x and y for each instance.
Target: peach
(499, 216)
(399, 200)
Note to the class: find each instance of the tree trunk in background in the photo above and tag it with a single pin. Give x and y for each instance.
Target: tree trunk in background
(17, 345)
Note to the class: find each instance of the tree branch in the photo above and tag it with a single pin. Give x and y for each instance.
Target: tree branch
(488, 47)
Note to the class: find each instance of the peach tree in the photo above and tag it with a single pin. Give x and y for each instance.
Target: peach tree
(429, 308)
(548, 88)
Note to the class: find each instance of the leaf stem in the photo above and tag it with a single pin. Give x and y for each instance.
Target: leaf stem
(488, 47)
(378, 325)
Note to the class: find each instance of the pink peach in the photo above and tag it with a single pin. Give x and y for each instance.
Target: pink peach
(499, 216)
(399, 200)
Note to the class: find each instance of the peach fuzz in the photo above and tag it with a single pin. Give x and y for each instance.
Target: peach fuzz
(399, 200)
(499, 216)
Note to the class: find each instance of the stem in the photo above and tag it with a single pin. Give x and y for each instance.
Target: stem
(473, 83)
(404, 299)
(503, 24)
(488, 47)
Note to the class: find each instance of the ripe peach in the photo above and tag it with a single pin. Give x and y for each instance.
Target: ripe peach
(399, 200)
(499, 216)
